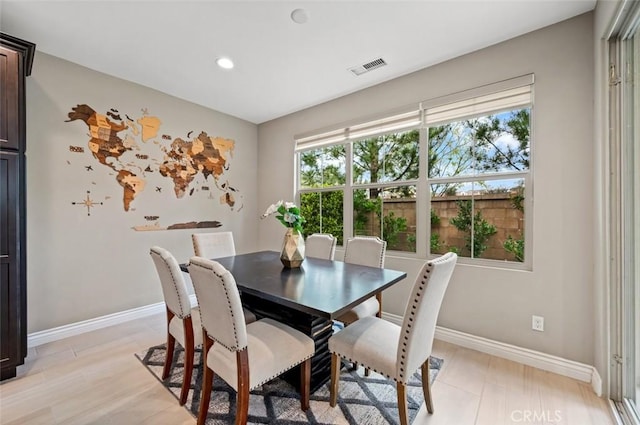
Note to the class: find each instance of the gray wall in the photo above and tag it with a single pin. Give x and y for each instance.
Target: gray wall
(492, 302)
(81, 267)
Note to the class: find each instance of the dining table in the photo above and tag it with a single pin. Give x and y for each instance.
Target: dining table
(308, 298)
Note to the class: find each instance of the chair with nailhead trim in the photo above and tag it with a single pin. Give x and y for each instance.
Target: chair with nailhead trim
(183, 320)
(397, 351)
(213, 245)
(244, 356)
(320, 245)
(364, 251)
(217, 245)
(181, 317)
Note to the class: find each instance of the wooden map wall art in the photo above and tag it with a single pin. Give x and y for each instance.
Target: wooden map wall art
(191, 163)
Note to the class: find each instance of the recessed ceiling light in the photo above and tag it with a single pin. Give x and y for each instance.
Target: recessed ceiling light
(224, 62)
(299, 16)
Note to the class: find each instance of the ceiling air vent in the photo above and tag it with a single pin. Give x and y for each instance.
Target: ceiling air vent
(369, 66)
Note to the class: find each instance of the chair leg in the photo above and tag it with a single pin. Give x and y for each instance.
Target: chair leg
(402, 403)
(305, 384)
(171, 345)
(168, 360)
(426, 386)
(335, 376)
(207, 382)
(242, 405)
(188, 359)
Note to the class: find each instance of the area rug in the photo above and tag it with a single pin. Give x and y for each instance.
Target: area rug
(368, 400)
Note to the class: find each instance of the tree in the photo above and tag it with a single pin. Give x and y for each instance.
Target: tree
(323, 167)
(323, 212)
(476, 243)
(387, 158)
(489, 153)
(447, 156)
(516, 246)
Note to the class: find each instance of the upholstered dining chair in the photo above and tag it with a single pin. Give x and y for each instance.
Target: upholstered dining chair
(321, 245)
(213, 245)
(182, 319)
(245, 356)
(397, 351)
(217, 245)
(364, 251)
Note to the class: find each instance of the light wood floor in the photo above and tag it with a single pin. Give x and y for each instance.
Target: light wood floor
(95, 378)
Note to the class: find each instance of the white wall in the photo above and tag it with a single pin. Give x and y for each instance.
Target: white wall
(490, 302)
(79, 266)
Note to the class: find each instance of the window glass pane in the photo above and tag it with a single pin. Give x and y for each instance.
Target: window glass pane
(479, 219)
(487, 144)
(501, 141)
(324, 167)
(323, 213)
(386, 158)
(450, 151)
(389, 213)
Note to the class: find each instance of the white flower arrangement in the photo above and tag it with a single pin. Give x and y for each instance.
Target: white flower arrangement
(288, 214)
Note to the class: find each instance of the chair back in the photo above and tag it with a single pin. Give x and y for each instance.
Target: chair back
(421, 314)
(365, 251)
(321, 245)
(213, 245)
(174, 287)
(221, 311)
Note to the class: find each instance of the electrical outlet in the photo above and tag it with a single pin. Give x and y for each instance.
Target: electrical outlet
(537, 323)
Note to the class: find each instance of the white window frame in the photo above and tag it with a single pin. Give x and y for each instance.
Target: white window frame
(475, 102)
(507, 95)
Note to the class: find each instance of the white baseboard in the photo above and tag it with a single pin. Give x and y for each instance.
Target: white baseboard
(537, 359)
(54, 334)
(42, 337)
(596, 382)
(579, 371)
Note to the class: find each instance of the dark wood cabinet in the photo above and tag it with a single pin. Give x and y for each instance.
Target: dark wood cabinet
(16, 58)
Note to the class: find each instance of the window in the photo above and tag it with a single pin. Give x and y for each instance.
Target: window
(322, 171)
(484, 212)
(384, 204)
(450, 174)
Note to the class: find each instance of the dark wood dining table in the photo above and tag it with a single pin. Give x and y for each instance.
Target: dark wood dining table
(308, 298)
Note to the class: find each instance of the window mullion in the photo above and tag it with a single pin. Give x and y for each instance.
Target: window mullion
(423, 198)
(347, 214)
(528, 220)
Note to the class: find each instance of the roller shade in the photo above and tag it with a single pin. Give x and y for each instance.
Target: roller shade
(396, 122)
(505, 95)
(483, 105)
(385, 125)
(322, 139)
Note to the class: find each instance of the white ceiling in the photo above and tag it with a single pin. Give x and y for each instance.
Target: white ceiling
(281, 66)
